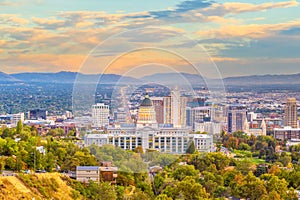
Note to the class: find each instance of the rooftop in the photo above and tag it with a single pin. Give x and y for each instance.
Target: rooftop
(87, 168)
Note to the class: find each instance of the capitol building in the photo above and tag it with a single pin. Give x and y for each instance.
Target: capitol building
(150, 135)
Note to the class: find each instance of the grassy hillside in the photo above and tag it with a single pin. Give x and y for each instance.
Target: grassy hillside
(38, 186)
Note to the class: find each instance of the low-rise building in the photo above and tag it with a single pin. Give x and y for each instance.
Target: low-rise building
(287, 133)
(87, 173)
(163, 140)
(108, 172)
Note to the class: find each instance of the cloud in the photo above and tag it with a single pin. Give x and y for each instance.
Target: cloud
(152, 35)
(64, 39)
(12, 20)
(223, 59)
(41, 62)
(238, 7)
(294, 31)
(51, 23)
(9, 3)
(252, 31)
(183, 7)
(271, 47)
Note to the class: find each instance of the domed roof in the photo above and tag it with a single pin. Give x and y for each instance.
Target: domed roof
(146, 102)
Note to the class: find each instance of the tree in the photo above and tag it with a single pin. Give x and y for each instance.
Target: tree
(138, 195)
(250, 184)
(101, 191)
(191, 148)
(284, 159)
(191, 190)
(244, 146)
(49, 161)
(7, 133)
(278, 185)
(185, 170)
(19, 128)
(273, 195)
(2, 164)
(244, 166)
(232, 142)
(138, 149)
(163, 197)
(260, 170)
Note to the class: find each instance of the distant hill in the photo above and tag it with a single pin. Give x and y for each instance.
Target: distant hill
(7, 78)
(159, 78)
(174, 78)
(264, 80)
(69, 77)
(194, 79)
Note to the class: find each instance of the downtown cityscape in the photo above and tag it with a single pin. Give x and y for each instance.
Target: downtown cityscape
(132, 100)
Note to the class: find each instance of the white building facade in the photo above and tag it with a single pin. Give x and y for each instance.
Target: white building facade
(175, 109)
(163, 139)
(100, 115)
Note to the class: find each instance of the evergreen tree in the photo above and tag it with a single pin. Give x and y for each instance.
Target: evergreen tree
(19, 127)
(191, 149)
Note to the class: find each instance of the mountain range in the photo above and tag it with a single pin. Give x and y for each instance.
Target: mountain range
(160, 78)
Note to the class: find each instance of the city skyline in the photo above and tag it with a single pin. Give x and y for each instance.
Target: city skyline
(241, 38)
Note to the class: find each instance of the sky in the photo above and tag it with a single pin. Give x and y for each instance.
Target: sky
(214, 38)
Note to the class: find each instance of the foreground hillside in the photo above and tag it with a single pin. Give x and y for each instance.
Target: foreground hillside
(38, 186)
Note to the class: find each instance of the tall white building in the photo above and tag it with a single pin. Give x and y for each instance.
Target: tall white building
(290, 113)
(100, 115)
(175, 109)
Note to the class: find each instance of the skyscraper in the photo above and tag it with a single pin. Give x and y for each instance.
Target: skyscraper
(100, 115)
(290, 113)
(175, 109)
(158, 104)
(236, 117)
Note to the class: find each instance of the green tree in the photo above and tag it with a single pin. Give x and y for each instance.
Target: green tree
(2, 164)
(278, 185)
(101, 191)
(191, 148)
(185, 170)
(163, 197)
(244, 146)
(191, 190)
(138, 195)
(19, 128)
(250, 184)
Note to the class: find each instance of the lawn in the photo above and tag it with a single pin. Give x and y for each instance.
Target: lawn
(247, 155)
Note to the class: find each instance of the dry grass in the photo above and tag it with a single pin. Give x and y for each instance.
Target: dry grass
(38, 186)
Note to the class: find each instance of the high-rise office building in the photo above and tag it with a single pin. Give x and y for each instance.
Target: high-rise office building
(290, 113)
(158, 103)
(100, 115)
(120, 115)
(236, 117)
(200, 114)
(37, 114)
(175, 109)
